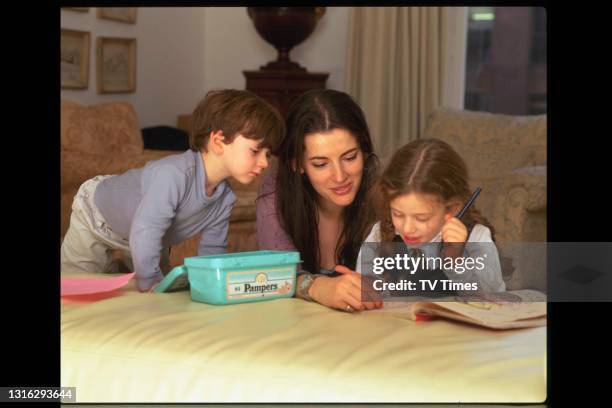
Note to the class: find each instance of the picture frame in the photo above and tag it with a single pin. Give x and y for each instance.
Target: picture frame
(123, 14)
(74, 59)
(116, 65)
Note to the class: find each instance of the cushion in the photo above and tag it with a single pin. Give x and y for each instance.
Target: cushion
(104, 129)
(491, 144)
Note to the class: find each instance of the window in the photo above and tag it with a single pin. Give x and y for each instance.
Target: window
(506, 60)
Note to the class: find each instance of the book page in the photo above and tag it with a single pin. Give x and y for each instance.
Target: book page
(494, 324)
(491, 312)
(508, 311)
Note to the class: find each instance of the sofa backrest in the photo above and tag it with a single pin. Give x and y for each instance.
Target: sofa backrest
(106, 129)
(491, 144)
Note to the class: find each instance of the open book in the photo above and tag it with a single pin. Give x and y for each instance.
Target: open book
(510, 310)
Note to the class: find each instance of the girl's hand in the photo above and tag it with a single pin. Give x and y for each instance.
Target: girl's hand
(454, 235)
(339, 292)
(454, 231)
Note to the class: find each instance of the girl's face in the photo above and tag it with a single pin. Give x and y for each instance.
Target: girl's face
(418, 217)
(333, 163)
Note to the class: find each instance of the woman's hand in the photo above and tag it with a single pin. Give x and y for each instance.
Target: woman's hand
(342, 291)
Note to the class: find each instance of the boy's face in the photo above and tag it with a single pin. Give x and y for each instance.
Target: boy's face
(245, 159)
(418, 217)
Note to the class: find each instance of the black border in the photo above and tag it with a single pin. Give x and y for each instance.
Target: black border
(578, 181)
(577, 187)
(31, 195)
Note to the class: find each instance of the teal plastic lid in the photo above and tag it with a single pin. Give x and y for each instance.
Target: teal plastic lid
(253, 259)
(176, 280)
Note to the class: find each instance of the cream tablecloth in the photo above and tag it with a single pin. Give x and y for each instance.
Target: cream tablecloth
(134, 347)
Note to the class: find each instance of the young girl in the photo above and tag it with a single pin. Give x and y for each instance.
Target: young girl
(421, 190)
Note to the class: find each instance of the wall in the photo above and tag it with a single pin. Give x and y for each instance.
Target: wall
(170, 60)
(182, 52)
(233, 45)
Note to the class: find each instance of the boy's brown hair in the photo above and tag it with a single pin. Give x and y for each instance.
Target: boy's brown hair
(235, 112)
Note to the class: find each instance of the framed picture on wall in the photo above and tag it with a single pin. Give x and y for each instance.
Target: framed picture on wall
(116, 64)
(123, 14)
(74, 59)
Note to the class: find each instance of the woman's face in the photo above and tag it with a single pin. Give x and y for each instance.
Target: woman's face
(333, 162)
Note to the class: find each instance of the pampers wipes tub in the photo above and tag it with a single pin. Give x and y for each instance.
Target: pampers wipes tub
(235, 278)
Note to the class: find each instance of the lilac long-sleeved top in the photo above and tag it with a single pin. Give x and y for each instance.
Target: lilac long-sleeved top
(162, 204)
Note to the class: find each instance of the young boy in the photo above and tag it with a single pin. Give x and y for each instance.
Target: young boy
(144, 211)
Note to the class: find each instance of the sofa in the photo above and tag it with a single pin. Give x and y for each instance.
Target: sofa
(506, 157)
(106, 139)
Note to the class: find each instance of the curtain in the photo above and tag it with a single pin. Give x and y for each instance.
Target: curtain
(402, 64)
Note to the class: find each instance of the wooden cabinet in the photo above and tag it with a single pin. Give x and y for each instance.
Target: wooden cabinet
(281, 88)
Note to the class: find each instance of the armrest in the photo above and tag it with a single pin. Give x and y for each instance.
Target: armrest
(521, 194)
(78, 167)
(518, 193)
(533, 180)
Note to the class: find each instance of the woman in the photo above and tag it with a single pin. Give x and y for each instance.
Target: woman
(315, 202)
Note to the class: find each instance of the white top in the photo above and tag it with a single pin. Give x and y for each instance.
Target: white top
(489, 279)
